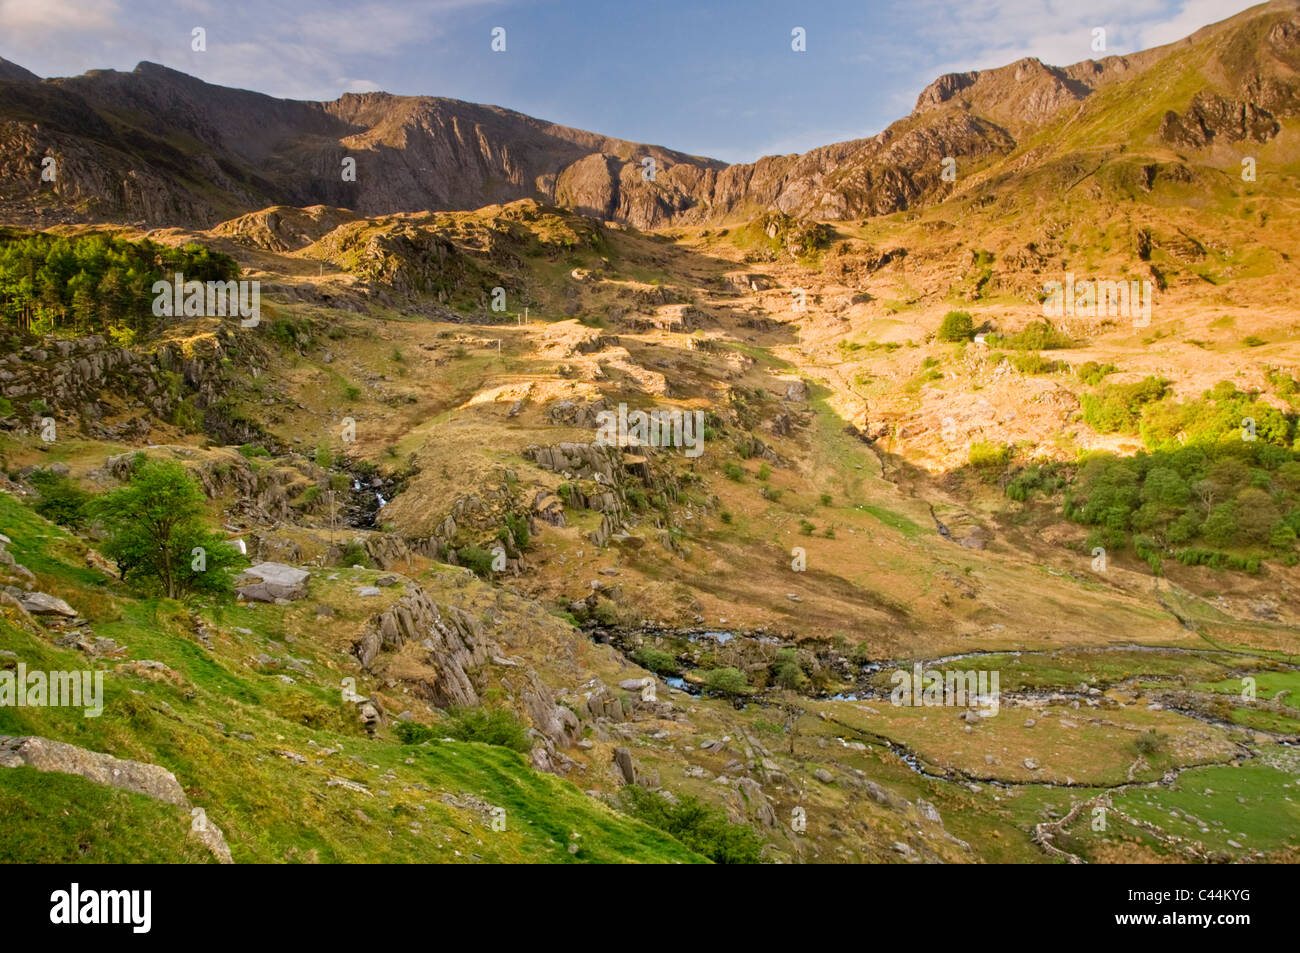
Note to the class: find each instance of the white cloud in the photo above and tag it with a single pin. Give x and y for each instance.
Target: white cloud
(291, 50)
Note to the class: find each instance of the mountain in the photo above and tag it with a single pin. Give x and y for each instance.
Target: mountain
(1089, 527)
(164, 148)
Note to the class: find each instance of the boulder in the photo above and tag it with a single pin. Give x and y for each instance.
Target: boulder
(40, 603)
(267, 582)
(135, 776)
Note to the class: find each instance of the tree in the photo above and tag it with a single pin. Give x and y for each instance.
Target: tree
(956, 326)
(156, 534)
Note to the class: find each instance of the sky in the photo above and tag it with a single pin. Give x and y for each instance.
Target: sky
(706, 78)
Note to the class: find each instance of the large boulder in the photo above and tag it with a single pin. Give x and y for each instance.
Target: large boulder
(267, 582)
(135, 776)
(40, 603)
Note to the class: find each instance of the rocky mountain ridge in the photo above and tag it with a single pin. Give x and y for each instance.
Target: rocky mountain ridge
(162, 148)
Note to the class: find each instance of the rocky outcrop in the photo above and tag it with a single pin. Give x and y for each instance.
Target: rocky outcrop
(455, 644)
(1212, 118)
(134, 776)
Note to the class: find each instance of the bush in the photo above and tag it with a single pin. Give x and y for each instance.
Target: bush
(733, 471)
(1149, 742)
(985, 455)
(789, 675)
(354, 554)
(725, 681)
(1031, 362)
(61, 500)
(1092, 373)
(1117, 408)
(1045, 478)
(517, 525)
(656, 660)
(490, 726)
(475, 558)
(702, 828)
(1035, 336)
(956, 326)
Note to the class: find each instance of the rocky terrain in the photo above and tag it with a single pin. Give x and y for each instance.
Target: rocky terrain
(463, 627)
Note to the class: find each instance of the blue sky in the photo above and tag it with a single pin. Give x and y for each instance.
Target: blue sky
(716, 79)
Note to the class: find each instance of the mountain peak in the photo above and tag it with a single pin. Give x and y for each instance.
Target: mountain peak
(13, 73)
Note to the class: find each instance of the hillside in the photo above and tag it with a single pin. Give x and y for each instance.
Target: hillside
(639, 653)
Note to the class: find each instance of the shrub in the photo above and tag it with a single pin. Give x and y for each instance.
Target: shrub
(956, 326)
(1117, 408)
(1045, 478)
(701, 827)
(1035, 336)
(789, 675)
(1031, 362)
(733, 471)
(61, 500)
(985, 455)
(475, 558)
(354, 554)
(1092, 373)
(1149, 742)
(725, 681)
(517, 525)
(490, 726)
(656, 660)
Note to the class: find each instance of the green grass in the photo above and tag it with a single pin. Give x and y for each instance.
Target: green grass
(894, 520)
(1244, 805)
(219, 731)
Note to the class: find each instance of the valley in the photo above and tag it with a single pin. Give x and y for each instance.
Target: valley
(488, 635)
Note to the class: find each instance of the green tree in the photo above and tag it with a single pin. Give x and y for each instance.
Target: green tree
(156, 535)
(956, 326)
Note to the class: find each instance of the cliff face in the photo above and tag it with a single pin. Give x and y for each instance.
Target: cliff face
(163, 148)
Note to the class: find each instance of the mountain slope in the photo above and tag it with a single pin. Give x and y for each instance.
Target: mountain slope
(166, 148)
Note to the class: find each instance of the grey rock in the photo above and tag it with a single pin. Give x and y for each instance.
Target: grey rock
(268, 582)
